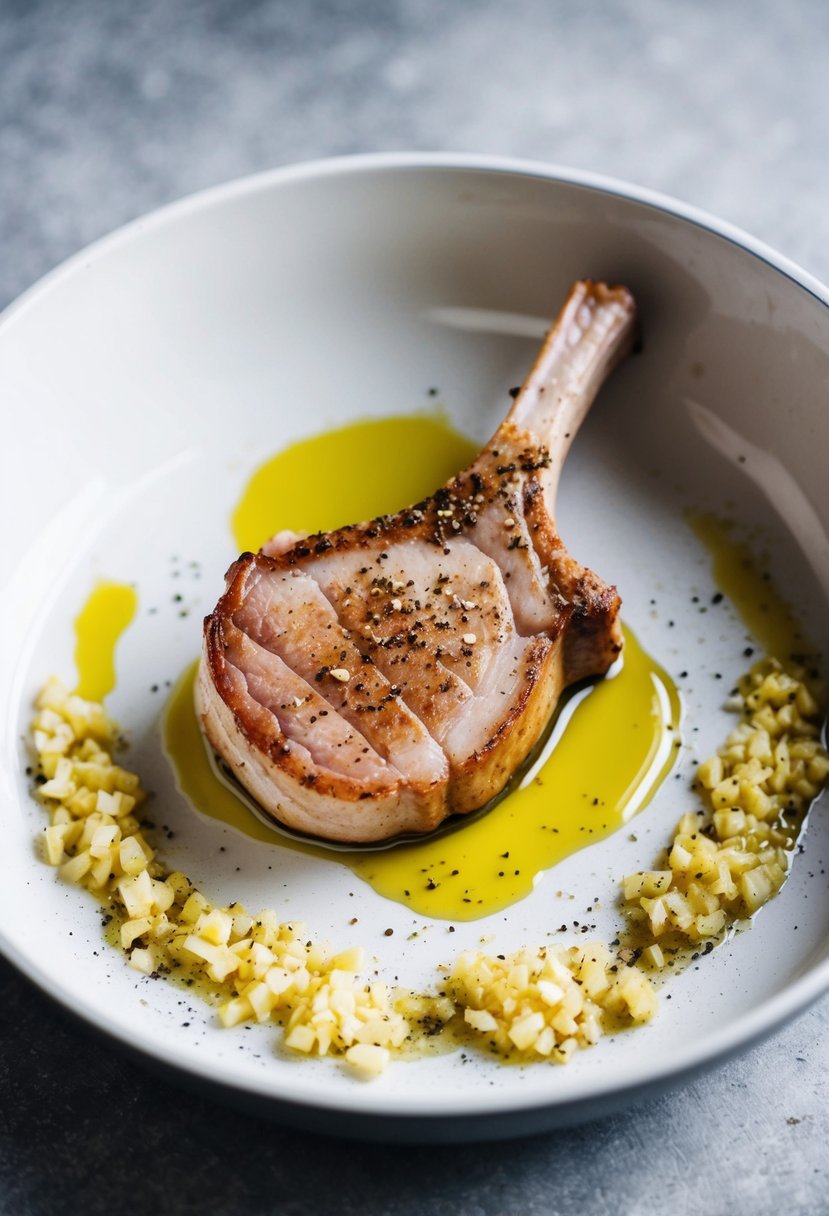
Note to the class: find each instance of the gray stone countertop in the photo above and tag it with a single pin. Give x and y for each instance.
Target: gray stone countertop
(110, 109)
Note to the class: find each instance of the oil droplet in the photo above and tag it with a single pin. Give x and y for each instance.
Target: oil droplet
(108, 611)
(621, 734)
(740, 577)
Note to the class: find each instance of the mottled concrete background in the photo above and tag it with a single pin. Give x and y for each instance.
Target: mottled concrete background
(109, 109)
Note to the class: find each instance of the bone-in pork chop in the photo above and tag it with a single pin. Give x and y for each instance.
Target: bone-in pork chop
(369, 682)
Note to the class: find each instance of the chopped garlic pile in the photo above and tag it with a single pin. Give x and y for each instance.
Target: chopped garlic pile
(727, 861)
(93, 835)
(724, 863)
(263, 968)
(547, 1003)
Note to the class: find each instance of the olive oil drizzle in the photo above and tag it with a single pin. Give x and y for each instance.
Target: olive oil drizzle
(742, 579)
(108, 611)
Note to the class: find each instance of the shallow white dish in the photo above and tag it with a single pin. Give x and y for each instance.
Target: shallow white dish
(147, 377)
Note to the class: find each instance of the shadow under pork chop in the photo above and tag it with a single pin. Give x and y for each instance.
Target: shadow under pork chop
(368, 682)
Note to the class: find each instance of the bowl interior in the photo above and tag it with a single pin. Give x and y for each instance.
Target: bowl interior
(149, 377)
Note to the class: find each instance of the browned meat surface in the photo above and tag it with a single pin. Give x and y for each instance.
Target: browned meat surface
(371, 681)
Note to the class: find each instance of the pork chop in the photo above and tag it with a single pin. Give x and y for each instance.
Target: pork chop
(366, 683)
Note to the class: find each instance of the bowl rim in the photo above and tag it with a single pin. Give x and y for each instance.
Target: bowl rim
(367, 162)
(398, 1106)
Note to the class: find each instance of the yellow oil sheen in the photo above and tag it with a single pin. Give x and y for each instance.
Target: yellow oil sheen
(748, 587)
(619, 742)
(108, 611)
(351, 473)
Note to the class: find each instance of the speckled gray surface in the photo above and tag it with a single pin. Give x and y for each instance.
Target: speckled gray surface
(109, 109)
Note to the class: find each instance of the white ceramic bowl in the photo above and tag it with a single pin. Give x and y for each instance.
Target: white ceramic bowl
(144, 379)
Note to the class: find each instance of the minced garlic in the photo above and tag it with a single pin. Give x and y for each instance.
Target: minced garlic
(261, 966)
(723, 864)
(547, 1003)
(539, 1004)
(726, 861)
